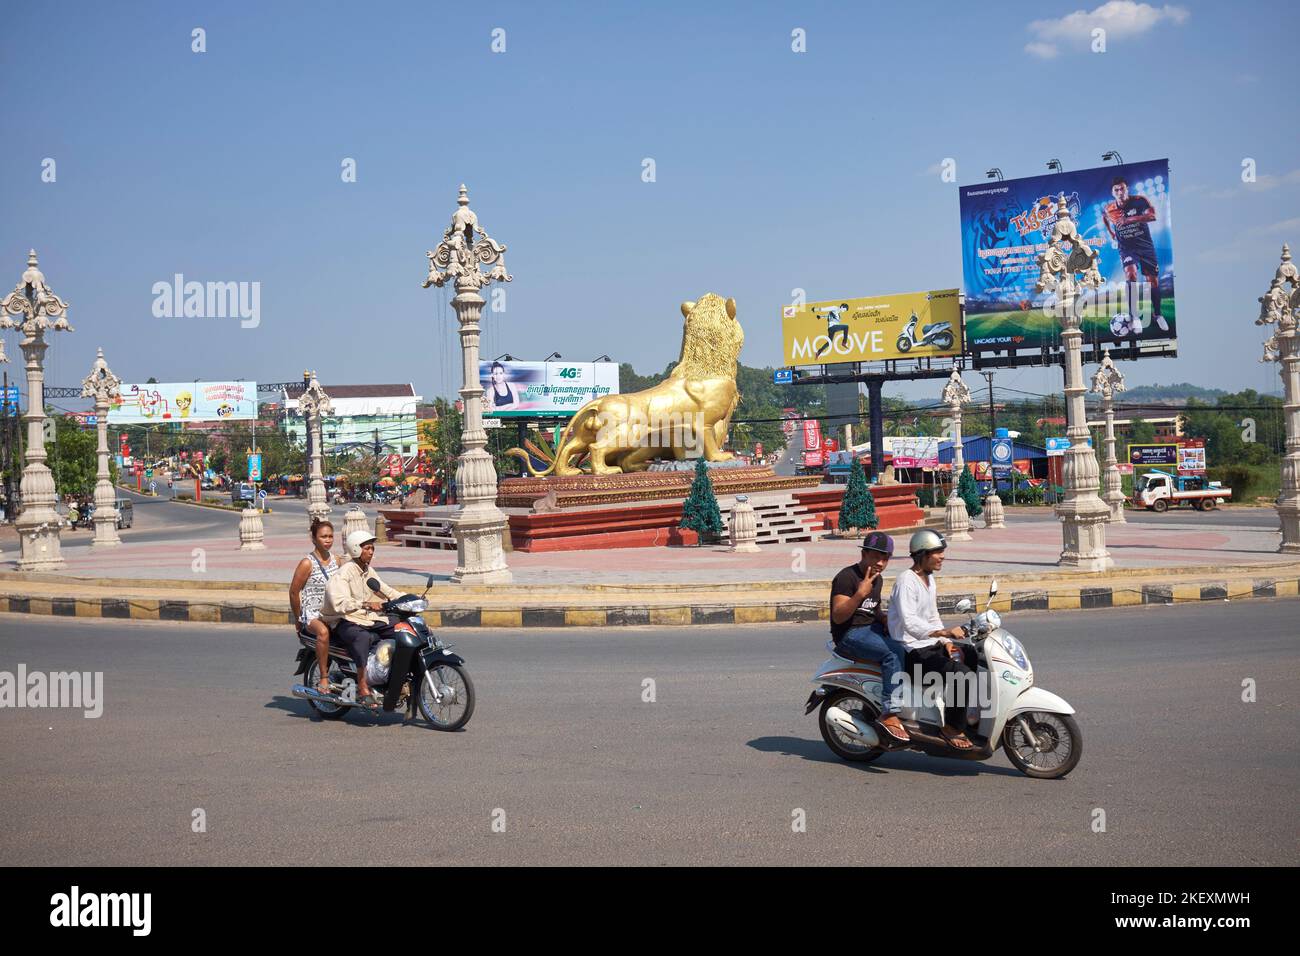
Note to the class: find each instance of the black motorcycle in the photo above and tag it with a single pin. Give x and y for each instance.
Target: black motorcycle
(421, 670)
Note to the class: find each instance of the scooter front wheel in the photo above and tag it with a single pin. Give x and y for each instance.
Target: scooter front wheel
(447, 696)
(1056, 747)
(844, 746)
(904, 344)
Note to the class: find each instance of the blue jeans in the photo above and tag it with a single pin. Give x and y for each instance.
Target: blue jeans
(874, 643)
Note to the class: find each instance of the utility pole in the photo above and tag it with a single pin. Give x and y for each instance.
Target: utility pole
(992, 416)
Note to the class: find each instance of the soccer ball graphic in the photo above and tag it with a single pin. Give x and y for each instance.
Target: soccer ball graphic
(1121, 324)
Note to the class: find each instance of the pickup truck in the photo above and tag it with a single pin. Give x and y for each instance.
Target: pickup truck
(1159, 490)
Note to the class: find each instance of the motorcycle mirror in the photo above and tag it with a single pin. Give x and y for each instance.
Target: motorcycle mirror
(964, 605)
(373, 584)
(993, 587)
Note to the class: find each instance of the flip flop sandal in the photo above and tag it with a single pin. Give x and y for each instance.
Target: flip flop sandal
(956, 740)
(368, 702)
(890, 733)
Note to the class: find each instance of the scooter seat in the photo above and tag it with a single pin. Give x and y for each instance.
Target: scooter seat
(933, 325)
(843, 653)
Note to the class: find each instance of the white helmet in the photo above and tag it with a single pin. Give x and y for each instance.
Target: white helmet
(356, 541)
(925, 541)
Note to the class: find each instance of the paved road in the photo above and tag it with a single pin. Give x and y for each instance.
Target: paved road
(586, 772)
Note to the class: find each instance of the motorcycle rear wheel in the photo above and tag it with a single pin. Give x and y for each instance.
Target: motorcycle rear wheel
(453, 714)
(842, 746)
(1059, 737)
(312, 677)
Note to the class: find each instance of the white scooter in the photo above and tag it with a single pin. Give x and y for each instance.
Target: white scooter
(1035, 727)
(937, 334)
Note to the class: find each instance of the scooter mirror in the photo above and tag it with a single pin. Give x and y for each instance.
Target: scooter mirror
(993, 587)
(964, 605)
(373, 584)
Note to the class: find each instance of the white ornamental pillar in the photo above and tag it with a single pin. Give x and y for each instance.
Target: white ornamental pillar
(251, 535)
(477, 522)
(1082, 513)
(743, 526)
(956, 517)
(1106, 383)
(38, 524)
(315, 405)
(103, 386)
(1282, 308)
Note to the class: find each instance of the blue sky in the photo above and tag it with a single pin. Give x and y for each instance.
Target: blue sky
(774, 169)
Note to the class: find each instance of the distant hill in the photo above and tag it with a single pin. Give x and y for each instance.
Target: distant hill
(1176, 394)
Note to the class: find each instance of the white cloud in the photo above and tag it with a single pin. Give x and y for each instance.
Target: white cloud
(1289, 226)
(1119, 18)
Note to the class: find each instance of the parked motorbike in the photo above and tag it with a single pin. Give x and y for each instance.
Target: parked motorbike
(415, 669)
(1036, 728)
(937, 334)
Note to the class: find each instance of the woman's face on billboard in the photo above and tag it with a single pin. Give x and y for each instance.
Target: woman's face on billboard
(498, 375)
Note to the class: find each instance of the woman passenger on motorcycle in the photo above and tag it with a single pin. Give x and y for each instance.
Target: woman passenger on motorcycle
(307, 594)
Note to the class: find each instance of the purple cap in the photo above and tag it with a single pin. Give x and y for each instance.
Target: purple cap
(879, 541)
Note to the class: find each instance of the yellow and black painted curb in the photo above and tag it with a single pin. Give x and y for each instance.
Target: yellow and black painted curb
(663, 615)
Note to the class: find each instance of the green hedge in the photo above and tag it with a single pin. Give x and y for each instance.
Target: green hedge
(1248, 482)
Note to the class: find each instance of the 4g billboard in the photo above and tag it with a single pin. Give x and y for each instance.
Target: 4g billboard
(920, 324)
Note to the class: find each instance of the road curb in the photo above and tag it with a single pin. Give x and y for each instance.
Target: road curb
(525, 616)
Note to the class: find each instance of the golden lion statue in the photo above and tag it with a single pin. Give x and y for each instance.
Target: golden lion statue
(690, 411)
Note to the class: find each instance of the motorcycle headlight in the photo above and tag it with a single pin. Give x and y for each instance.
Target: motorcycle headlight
(1017, 652)
(412, 606)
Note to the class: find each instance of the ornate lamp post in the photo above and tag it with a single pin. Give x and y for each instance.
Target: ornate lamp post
(315, 405)
(1282, 308)
(103, 386)
(40, 309)
(477, 523)
(1083, 514)
(956, 517)
(1106, 383)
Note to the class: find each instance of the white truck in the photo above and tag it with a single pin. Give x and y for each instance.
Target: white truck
(1159, 490)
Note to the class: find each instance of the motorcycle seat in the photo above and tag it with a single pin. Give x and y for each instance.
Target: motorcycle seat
(933, 325)
(308, 640)
(844, 653)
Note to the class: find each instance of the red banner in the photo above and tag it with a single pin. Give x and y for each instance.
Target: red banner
(812, 434)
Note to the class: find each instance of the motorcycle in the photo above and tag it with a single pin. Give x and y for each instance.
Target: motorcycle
(1036, 728)
(414, 669)
(83, 517)
(937, 334)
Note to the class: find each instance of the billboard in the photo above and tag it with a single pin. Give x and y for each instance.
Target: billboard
(909, 324)
(915, 452)
(184, 402)
(1121, 211)
(518, 389)
(1149, 456)
(1191, 456)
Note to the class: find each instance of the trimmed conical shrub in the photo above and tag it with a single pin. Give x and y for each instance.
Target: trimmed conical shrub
(700, 510)
(969, 492)
(858, 509)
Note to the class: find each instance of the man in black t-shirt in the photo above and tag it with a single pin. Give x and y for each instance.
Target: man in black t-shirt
(860, 628)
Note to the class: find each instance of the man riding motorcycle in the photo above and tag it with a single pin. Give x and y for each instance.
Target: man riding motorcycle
(915, 623)
(352, 608)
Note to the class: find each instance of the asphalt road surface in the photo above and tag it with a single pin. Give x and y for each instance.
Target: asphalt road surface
(581, 770)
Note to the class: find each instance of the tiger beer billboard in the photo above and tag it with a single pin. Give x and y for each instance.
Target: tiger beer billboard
(906, 325)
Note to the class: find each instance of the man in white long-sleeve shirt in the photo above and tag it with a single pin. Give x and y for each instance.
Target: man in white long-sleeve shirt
(914, 622)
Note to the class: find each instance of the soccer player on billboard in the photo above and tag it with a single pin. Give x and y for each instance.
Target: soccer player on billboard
(1126, 220)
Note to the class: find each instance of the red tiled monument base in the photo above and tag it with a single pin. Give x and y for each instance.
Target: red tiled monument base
(896, 506)
(655, 525)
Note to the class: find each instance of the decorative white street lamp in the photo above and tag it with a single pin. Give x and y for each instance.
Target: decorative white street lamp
(1083, 514)
(103, 386)
(1282, 308)
(40, 309)
(315, 405)
(956, 517)
(477, 523)
(1106, 383)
